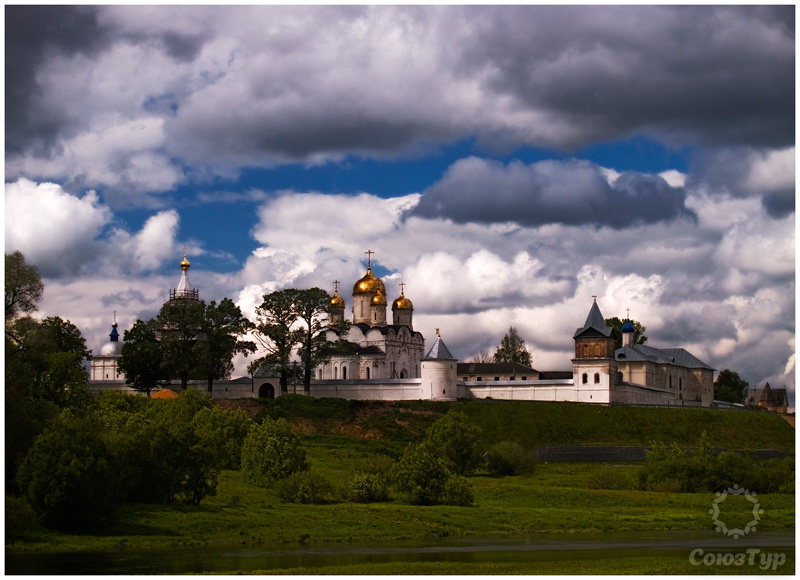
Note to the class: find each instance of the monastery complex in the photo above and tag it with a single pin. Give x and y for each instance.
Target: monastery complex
(376, 360)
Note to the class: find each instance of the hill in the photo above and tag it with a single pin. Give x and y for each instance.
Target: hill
(530, 423)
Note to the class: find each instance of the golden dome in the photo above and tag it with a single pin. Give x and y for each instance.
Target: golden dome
(185, 263)
(369, 284)
(336, 301)
(379, 299)
(402, 303)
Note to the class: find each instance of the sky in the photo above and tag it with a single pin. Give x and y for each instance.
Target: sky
(507, 163)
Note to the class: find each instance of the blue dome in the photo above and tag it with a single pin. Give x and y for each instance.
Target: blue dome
(628, 326)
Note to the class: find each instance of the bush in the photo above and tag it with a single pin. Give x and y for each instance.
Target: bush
(223, 430)
(20, 519)
(367, 488)
(306, 487)
(270, 452)
(457, 491)
(457, 441)
(420, 476)
(609, 477)
(68, 477)
(509, 458)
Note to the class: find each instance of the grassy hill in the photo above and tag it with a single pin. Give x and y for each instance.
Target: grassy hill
(529, 423)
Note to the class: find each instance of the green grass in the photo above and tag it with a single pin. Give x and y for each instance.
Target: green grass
(536, 423)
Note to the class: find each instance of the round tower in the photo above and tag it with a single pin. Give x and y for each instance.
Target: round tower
(402, 310)
(628, 331)
(438, 373)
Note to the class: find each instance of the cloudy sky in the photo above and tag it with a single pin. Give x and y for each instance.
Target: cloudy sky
(506, 163)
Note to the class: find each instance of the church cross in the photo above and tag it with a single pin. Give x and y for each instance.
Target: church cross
(628, 311)
(369, 258)
(336, 286)
(402, 287)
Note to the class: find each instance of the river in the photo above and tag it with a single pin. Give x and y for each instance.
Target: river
(473, 549)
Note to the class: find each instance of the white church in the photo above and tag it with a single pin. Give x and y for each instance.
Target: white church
(375, 360)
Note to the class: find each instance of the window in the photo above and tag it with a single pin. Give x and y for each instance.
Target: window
(344, 373)
(524, 378)
(479, 379)
(585, 378)
(511, 378)
(367, 372)
(497, 378)
(596, 378)
(620, 378)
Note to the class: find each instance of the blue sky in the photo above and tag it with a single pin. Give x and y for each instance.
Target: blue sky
(506, 162)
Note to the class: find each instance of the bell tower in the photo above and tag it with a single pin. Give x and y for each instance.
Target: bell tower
(594, 368)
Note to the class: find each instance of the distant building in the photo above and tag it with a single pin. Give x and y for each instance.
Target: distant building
(496, 372)
(775, 400)
(104, 365)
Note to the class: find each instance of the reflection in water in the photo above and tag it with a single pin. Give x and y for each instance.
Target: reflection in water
(530, 548)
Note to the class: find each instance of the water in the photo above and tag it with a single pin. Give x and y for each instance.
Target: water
(485, 549)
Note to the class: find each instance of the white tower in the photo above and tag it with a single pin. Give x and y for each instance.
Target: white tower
(439, 373)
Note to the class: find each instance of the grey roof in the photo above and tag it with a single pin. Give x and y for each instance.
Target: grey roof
(676, 356)
(439, 351)
(489, 368)
(594, 321)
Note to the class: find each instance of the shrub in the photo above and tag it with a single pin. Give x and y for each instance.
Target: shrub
(509, 458)
(457, 441)
(223, 430)
(420, 475)
(367, 487)
(457, 491)
(20, 519)
(306, 487)
(668, 485)
(609, 477)
(68, 477)
(270, 452)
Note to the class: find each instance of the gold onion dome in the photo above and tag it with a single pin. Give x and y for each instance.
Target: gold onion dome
(369, 284)
(379, 299)
(402, 303)
(336, 301)
(185, 263)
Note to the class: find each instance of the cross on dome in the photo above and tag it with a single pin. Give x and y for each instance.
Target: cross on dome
(369, 258)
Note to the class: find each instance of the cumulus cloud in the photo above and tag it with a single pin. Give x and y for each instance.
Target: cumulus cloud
(222, 88)
(574, 191)
(65, 235)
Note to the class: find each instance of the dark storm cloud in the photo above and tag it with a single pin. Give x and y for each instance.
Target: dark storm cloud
(34, 33)
(705, 74)
(567, 192)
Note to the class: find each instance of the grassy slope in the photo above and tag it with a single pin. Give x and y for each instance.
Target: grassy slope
(537, 423)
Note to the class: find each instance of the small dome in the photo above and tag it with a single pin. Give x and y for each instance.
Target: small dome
(185, 265)
(165, 394)
(379, 299)
(628, 327)
(369, 284)
(336, 301)
(402, 303)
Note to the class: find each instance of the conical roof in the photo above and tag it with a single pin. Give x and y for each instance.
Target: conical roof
(439, 350)
(594, 321)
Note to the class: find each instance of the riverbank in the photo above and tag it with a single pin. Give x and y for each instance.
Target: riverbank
(556, 498)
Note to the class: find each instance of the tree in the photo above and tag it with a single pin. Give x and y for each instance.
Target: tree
(45, 360)
(310, 306)
(730, 387)
(615, 323)
(180, 324)
(23, 286)
(421, 475)
(273, 329)
(69, 477)
(271, 452)
(141, 359)
(512, 349)
(222, 325)
(482, 357)
(457, 442)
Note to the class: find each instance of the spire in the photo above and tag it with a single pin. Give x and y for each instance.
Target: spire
(439, 350)
(594, 321)
(184, 289)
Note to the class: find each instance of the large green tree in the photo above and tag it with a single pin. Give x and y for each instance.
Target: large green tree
(730, 387)
(639, 336)
(512, 349)
(311, 308)
(275, 332)
(180, 324)
(222, 327)
(24, 286)
(141, 359)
